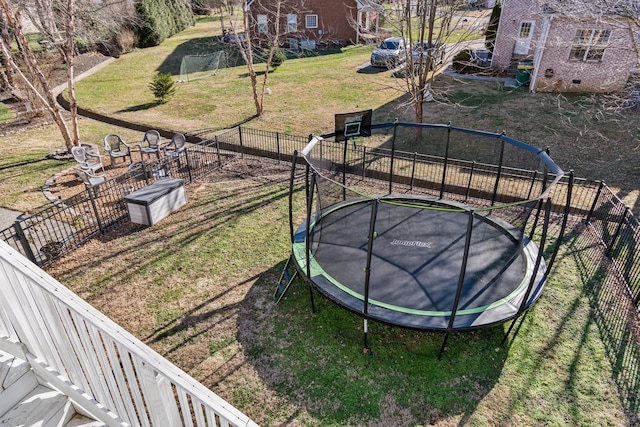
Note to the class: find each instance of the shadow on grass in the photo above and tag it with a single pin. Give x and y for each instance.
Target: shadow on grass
(199, 46)
(614, 314)
(368, 69)
(22, 163)
(317, 361)
(141, 107)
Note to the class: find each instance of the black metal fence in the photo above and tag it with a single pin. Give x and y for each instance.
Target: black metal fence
(66, 224)
(62, 226)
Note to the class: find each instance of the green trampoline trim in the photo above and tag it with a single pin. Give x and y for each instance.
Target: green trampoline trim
(299, 251)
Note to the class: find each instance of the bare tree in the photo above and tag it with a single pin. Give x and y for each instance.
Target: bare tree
(29, 71)
(625, 12)
(265, 35)
(427, 27)
(56, 22)
(621, 15)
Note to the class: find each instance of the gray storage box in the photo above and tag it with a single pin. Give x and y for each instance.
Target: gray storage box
(152, 203)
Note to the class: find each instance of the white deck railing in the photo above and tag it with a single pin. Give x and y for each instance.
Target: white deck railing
(130, 383)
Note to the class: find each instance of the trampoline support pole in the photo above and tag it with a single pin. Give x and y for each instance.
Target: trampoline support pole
(444, 344)
(563, 227)
(291, 183)
(540, 202)
(367, 276)
(499, 173)
(344, 169)
(446, 161)
(308, 235)
(393, 154)
(532, 281)
(366, 330)
(463, 269)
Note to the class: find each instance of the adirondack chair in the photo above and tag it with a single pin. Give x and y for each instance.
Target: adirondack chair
(117, 148)
(150, 144)
(86, 160)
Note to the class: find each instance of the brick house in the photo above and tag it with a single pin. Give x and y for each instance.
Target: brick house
(311, 23)
(594, 53)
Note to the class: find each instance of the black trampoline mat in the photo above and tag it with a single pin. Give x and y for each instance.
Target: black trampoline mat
(416, 264)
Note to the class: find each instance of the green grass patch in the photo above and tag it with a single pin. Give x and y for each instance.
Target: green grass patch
(306, 93)
(201, 291)
(5, 113)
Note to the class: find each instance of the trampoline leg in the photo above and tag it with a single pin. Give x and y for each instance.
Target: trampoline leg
(313, 305)
(444, 344)
(366, 330)
(506, 335)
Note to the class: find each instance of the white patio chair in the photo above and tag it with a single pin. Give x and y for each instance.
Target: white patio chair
(117, 148)
(150, 144)
(86, 160)
(174, 148)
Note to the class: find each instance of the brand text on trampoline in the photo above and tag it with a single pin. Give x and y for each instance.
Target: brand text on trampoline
(411, 243)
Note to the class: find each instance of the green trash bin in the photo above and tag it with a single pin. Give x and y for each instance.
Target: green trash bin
(523, 75)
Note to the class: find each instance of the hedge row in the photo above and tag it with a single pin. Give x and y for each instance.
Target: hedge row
(161, 19)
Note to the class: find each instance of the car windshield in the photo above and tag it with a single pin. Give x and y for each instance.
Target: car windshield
(391, 45)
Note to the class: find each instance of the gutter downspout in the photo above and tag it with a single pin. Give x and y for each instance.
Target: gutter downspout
(537, 57)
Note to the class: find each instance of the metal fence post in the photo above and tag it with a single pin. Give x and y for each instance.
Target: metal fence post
(617, 232)
(90, 191)
(24, 242)
(595, 201)
(241, 142)
(364, 160)
(186, 159)
(215, 140)
(413, 169)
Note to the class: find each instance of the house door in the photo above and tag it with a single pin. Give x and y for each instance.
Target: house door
(523, 40)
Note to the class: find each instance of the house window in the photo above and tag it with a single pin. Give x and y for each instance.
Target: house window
(589, 45)
(262, 24)
(525, 30)
(292, 23)
(311, 21)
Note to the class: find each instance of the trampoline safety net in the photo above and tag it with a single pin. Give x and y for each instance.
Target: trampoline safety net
(428, 226)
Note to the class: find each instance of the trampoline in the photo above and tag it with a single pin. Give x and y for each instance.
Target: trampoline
(439, 251)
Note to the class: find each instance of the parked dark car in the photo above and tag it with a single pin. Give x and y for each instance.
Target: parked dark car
(390, 53)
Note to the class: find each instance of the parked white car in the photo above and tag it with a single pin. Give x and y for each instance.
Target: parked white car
(390, 53)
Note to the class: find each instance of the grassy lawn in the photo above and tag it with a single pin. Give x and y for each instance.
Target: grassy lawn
(24, 166)
(198, 286)
(580, 132)
(5, 113)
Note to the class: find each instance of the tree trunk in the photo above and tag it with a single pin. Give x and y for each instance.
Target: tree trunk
(246, 51)
(69, 55)
(6, 75)
(5, 84)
